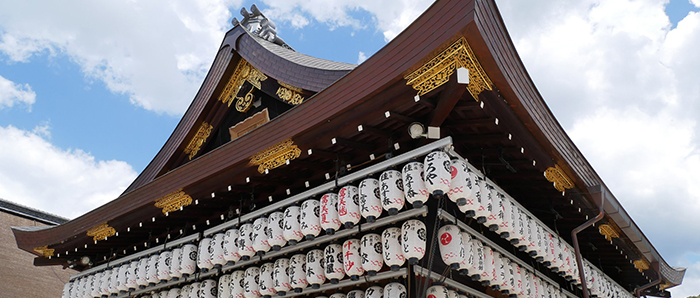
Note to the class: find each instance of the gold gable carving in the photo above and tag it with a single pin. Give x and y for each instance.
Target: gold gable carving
(243, 104)
(557, 176)
(45, 251)
(173, 201)
(275, 156)
(438, 70)
(243, 72)
(289, 96)
(101, 232)
(198, 140)
(608, 231)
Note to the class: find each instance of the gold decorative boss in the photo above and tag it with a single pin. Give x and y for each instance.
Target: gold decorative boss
(275, 156)
(101, 232)
(173, 201)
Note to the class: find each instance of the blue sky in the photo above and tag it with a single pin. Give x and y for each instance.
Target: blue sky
(89, 92)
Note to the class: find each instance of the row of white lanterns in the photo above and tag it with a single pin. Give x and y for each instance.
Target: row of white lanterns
(527, 233)
(467, 254)
(208, 289)
(353, 258)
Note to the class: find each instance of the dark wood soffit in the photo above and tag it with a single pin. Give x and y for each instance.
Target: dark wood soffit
(384, 68)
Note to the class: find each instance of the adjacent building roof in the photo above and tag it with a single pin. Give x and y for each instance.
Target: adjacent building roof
(31, 213)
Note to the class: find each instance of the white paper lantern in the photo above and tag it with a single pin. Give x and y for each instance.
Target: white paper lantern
(413, 242)
(330, 221)
(188, 262)
(393, 254)
(352, 260)
(437, 291)
(539, 243)
(292, 227)
(281, 276)
(522, 229)
(121, 278)
(141, 273)
(310, 221)
(370, 199)
(480, 261)
(186, 291)
(164, 260)
(481, 193)
(208, 289)
(514, 232)
(395, 289)
(491, 200)
(391, 191)
(333, 260)
(371, 250)
(374, 292)
(518, 277)
(265, 283)
(438, 173)
(315, 271)
(415, 191)
(461, 187)
(237, 284)
(174, 293)
(275, 228)
(507, 275)
(356, 294)
(216, 252)
(452, 294)
(338, 295)
(104, 281)
(152, 269)
(558, 254)
(194, 293)
(66, 290)
(497, 278)
(451, 246)
(531, 237)
(349, 206)
(175, 262)
(569, 260)
(97, 279)
(487, 276)
(231, 245)
(224, 286)
(114, 280)
(504, 216)
(464, 265)
(470, 250)
(250, 283)
(526, 283)
(260, 236)
(245, 241)
(297, 272)
(203, 256)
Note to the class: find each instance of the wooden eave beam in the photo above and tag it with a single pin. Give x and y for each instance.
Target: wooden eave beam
(447, 100)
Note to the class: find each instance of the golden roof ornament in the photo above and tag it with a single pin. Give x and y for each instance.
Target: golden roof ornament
(173, 201)
(198, 140)
(101, 232)
(556, 175)
(45, 251)
(275, 156)
(608, 231)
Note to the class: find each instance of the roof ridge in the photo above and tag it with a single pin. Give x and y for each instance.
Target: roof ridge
(43, 216)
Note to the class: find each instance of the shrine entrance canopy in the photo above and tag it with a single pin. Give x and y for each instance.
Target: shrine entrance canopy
(269, 123)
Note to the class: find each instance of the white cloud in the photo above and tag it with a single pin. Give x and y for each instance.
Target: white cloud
(390, 17)
(35, 173)
(155, 52)
(12, 93)
(361, 57)
(695, 2)
(624, 85)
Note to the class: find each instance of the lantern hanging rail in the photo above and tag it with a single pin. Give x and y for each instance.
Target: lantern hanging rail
(443, 143)
(638, 291)
(420, 271)
(574, 237)
(442, 214)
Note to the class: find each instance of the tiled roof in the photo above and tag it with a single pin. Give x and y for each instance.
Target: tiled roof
(31, 213)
